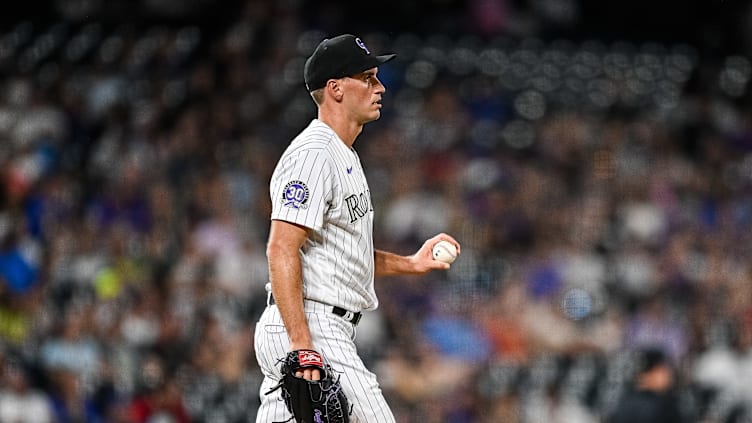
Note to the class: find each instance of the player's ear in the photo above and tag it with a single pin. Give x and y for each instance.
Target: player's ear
(334, 86)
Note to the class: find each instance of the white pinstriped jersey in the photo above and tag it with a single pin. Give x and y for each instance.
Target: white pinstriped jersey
(319, 183)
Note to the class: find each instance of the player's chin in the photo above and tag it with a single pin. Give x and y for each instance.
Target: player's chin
(375, 115)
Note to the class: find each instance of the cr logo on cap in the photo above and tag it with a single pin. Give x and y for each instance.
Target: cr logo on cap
(362, 45)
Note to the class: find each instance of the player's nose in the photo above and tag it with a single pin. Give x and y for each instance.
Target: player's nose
(380, 87)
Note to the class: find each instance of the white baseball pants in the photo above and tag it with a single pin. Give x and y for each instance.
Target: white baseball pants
(332, 337)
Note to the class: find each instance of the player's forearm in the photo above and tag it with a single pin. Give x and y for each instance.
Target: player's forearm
(390, 264)
(287, 287)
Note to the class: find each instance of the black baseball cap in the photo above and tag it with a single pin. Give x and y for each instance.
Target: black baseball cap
(338, 57)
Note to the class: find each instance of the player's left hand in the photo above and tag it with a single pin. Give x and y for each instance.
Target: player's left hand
(312, 400)
(423, 261)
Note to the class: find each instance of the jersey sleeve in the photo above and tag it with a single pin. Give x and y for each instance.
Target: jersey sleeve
(301, 188)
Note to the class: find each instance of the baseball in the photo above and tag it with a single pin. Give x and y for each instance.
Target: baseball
(444, 251)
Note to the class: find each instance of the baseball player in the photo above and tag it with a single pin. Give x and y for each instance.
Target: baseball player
(322, 261)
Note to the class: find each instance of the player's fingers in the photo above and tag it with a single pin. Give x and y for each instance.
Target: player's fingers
(308, 374)
(440, 265)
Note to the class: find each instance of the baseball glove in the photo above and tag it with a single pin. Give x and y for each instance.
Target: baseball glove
(309, 401)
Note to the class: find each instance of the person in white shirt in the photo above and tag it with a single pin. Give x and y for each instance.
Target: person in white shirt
(20, 402)
(322, 261)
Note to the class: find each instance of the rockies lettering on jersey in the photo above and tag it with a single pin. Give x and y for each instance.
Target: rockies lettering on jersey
(358, 208)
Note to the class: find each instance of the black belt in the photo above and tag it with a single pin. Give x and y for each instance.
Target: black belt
(352, 317)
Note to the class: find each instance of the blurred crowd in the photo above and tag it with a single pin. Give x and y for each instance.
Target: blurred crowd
(602, 193)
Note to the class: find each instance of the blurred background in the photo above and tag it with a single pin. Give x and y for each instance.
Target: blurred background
(593, 158)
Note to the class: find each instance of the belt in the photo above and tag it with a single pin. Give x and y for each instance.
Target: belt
(352, 317)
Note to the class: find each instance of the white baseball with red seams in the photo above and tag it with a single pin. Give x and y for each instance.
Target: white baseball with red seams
(445, 251)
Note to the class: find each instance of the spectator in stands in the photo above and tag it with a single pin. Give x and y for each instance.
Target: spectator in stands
(20, 400)
(651, 397)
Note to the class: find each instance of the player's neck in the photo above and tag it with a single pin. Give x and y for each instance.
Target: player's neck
(346, 129)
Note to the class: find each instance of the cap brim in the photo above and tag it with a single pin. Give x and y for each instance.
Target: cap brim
(373, 62)
(386, 57)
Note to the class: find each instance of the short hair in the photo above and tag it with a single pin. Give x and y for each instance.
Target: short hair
(318, 95)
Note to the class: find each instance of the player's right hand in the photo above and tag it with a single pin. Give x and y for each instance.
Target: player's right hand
(309, 374)
(309, 371)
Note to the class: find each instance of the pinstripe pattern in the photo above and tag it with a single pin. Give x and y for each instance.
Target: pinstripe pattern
(319, 183)
(333, 337)
(338, 258)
